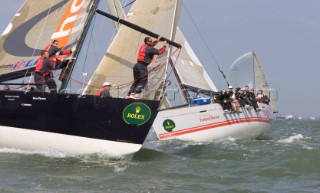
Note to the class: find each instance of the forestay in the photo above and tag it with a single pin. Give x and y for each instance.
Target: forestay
(160, 17)
(34, 26)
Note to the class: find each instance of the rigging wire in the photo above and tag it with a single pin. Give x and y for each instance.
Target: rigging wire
(44, 24)
(205, 43)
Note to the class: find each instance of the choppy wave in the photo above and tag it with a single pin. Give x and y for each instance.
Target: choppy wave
(290, 139)
(285, 159)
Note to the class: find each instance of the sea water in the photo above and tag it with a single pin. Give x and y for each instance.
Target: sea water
(285, 159)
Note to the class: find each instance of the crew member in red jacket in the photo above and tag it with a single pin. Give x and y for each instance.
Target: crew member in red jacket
(104, 91)
(42, 75)
(140, 70)
(55, 52)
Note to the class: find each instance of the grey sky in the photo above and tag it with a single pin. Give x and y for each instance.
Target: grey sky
(284, 34)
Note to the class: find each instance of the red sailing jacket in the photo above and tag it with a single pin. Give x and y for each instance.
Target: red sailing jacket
(99, 92)
(146, 52)
(52, 50)
(43, 66)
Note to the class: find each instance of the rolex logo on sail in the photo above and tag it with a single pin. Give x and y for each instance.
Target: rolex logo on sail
(136, 114)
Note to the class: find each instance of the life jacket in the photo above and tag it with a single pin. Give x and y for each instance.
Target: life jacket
(99, 92)
(39, 64)
(142, 53)
(47, 48)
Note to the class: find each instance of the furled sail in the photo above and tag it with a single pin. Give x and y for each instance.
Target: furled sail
(157, 16)
(247, 70)
(189, 68)
(35, 25)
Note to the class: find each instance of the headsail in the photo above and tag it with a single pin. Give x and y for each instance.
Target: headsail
(241, 72)
(189, 68)
(247, 70)
(157, 16)
(33, 27)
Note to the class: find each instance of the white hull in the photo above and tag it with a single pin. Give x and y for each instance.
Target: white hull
(26, 139)
(209, 123)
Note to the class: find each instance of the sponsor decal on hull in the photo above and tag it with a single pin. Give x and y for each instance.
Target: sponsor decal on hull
(168, 125)
(136, 114)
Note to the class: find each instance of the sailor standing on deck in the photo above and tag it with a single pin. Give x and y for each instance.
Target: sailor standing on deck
(140, 70)
(42, 73)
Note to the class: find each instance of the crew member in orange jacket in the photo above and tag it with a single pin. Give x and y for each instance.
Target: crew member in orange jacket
(42, 75)
(140, 70)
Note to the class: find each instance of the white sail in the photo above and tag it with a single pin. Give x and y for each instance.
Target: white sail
(240, 73)
(189, 67)
(261, 82)
(35, 25)
(157, 16)
(115, 9)
(247, 70)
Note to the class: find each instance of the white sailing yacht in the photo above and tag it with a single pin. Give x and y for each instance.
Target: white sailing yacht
(206, 122)
(79, 122)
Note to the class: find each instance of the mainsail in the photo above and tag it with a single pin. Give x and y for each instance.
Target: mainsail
(157, 16)
(261, 82)
(34, 26)
(247, 70)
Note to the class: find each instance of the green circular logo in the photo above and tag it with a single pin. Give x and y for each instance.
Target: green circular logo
(136, 114)
(168, 125)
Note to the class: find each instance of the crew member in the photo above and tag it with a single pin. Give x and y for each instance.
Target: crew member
(55, 52)
(105, 90)
(140, 70)
(42, 75)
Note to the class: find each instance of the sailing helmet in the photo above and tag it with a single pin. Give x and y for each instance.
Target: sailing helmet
(106, 84)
